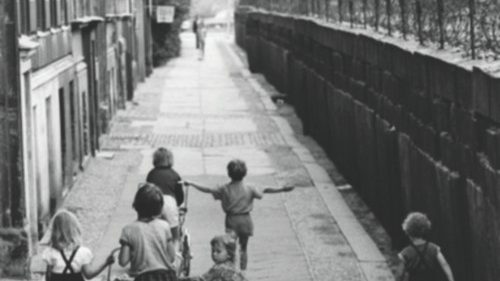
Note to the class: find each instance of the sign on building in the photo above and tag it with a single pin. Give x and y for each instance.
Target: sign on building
(165, 14)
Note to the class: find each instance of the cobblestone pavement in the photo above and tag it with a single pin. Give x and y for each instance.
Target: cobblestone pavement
(209, 112)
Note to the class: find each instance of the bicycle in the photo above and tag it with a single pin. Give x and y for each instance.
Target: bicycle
(185, 243)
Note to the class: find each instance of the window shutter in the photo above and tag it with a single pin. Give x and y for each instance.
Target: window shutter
(70, 10)
(59, 13)
(39, 15)
(47, 18)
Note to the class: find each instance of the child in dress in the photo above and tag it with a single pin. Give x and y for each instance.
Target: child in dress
(167, 179)
(147, 242)
(66, 259)
(223, 255)
(422, 260)
(237, 202)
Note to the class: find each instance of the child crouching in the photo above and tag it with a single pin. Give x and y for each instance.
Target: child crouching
(223, 255)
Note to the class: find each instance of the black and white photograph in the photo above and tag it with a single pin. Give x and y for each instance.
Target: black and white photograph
(249, 140)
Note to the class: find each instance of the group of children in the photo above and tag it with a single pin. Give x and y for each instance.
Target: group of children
(149, 243)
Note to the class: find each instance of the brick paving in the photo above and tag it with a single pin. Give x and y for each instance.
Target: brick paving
(208, 112)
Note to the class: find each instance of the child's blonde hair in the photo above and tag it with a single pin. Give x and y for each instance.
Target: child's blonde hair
(417, 225)
(65, 230)
(228, 242)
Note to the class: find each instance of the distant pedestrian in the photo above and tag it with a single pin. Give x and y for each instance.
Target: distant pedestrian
(422, 260)
(237, 202)
(146, 243)
(195, 31)
(223, 255)
(167, 179)
(66, 258)
(201, 37)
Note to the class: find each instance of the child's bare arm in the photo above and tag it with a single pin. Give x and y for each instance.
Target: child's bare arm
(92, 270)
(171, 251)
(277, 190)
(124, 257)
(446, 267)
(400, 270)
(200, 187)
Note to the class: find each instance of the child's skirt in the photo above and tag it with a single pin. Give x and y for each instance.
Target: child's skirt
(241, 224)
(157, 275)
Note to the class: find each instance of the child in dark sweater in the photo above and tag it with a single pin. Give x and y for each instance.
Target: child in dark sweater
(422, 260)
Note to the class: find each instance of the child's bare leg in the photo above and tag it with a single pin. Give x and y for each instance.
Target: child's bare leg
(243, 252)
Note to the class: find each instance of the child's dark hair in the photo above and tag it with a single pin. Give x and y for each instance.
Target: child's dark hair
(148, 201)
(163, 157)
(236, 169)
(417, 225)
(226, 241)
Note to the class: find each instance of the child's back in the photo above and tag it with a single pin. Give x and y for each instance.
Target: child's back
(66, 259)
(66, 265)
(236, 197)
(148, 241)
(421, 262)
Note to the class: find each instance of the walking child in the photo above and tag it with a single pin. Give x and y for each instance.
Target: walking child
(167, 179)
(66, 258)
(223, 255)
(422, 260)
(237, 202)
(201, 35)
(146, 243)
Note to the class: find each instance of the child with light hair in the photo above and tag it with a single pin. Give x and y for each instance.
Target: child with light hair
(223, 255)
(66, 258)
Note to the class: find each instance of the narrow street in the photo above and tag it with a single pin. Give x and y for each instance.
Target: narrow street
(208, 112)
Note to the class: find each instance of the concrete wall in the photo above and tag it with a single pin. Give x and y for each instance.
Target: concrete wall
(411, 128)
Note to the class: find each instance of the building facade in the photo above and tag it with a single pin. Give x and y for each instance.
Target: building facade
(66, 67)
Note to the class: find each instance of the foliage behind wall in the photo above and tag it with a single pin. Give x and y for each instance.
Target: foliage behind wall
(166, 40)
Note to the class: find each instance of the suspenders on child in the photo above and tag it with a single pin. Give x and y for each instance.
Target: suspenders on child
(68, 273)
(422, 269)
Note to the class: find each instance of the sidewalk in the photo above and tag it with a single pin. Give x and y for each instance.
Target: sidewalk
(209, 112)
